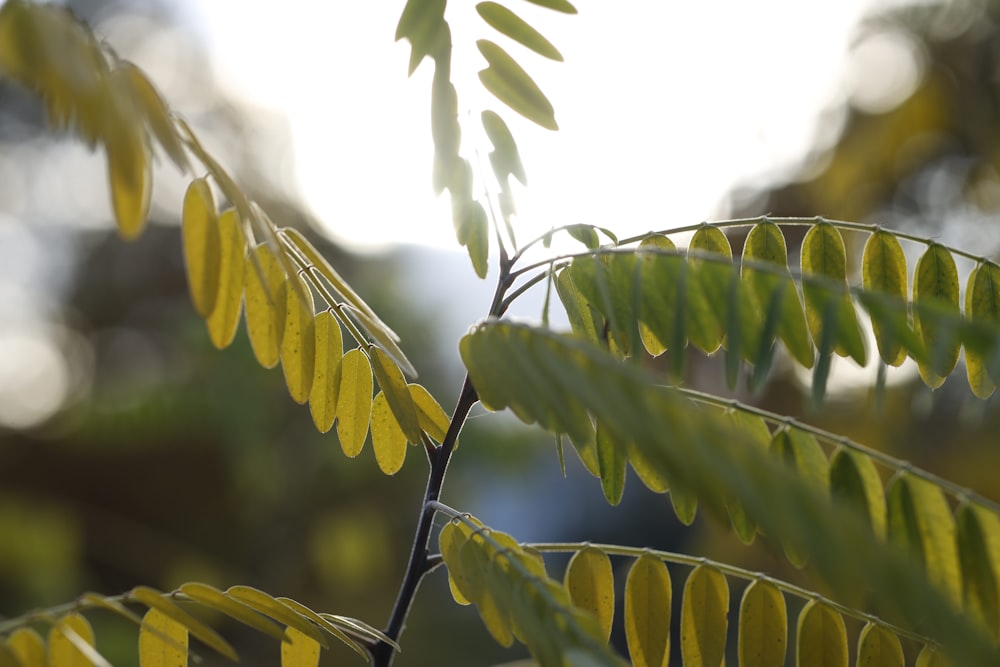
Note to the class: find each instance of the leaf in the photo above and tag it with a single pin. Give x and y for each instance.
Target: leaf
(200, 237)
(855, 481)
(335, 629)
(883, 269)
(877, 647)
(397, 395)
(8, 658)
(155, 600)
(130, 173)
(298, 341)
(662, 319)
(763, 626)
(504, 158)
(225, 316)
(512, 86)
(931, 657)
(155, 111)
(800, 451)
(301, 651)
(449, 542)
(323, 393)
(422, 23)
(703, 618)
(590, 583)
(265, 305)
(163, 642)
(559, 5)
(433, 419)
(709, 282)
(822, 639)
(647, 612)
(510, 24)
(982, 304)
(71, 643)
(935, 282)
(354, 401)
(756, 431)
(585, 234)
(828, 303)
(920, 520)
(978, 537)
(279, 611)
(388, 439)
(685, 505)
(611, 465)
(215, 599)
(29, 648)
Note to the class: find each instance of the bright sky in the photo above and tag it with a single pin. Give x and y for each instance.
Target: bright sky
(662, 105)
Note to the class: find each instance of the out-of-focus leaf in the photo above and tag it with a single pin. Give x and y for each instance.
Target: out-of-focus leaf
(510, 24)
(29, 647)
(130, 173)
(265, 305)
(163, 642)
(225, 316)
(883, 268)
(505, 158)
(855, 481)
(433, 419)
(354, 401)
(298, 341)
(422, 23)
(215, 599)
(935, 280)
(648, 597)
(155, 110)
(388, 439)
(326, 371)
(611, 464)
(982, 304)
(930, 656)
(703, 617)
(590, 583)
(763, 626)
(397, 395)
(156, 600)
(71, 643)
(803, 454)
(200, 236)
(978, 536)
(877, 647)
(301, 650)
(512, 86)
(822, 638)
(559, 5)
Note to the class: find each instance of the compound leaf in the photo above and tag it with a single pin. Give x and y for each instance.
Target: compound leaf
(510, 24)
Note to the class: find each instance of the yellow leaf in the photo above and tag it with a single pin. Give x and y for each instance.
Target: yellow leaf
(883, 268)
(982, 304)
(433, 419)
(330, 627)
(298, 342)
(29, 647)
(279, 611)
(301, 651)
(155, 110)
(822, 639)
(200, 236)
(163, 642)
(225, 316)
(388, 439)
(763, 626)
(71, 643)
(156, 600)
(935, 300)
(393, 385)
(590, 583)
(326, 371)
(450, 543)
(931, 657)
(354, 401)
(266, 298)
(647, 612)
(130, 174)
(703, 618)
(7, 657)
(877, 647)
(476, 558)
(215, 599)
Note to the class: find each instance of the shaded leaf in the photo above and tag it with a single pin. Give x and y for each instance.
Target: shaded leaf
(822, 638)
(611, 465)
(265, 304)
(510, 24)
(935, 280)
(225, 316)
(323, 393)
(877, 647)
(648, 598)
(763, 626)
(163, 642)
(354, 401)
(978, 537)
(298, 341)
(931, 657)
(982, 304)
(703, 618)
(855, 481)
(512, 86)
(800, 451)
(590, 583)
(883, 268)
(200, 237)
(388, 439)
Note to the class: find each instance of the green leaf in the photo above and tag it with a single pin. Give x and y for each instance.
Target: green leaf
(877, 647)
(611, 464)
(982, 304)
(583, 320)
(648, 596)
(822, 638)
(325, 388)
(298, 341)
(510, 24)
(559, 5)
(301, 650)
(883, 269)
(388, 439)
(397, 394)
(757, 434)
(422, 23)
(804, 455)
(265, 305)
(935, 282)
(215, 599)
(504, 158)
(703, 618)
(978, 537)
(855, 482)
(662, 324)
(225, 316)
(512, 86)
(930, 656)
(333, 625)
(354, 401)
(200, 237)
(585, 234)
(708, 288)
(590, 582)
(685, 505)
(763, 626)
(163, 642)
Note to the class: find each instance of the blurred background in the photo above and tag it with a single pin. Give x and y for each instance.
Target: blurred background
(132, 452)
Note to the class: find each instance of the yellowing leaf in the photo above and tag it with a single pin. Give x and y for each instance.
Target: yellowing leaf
(703, 618)
(265, 305)
(590, 583)
(647, 612)
(215, 599)
(982, 304)
(883, 268)
(877, 647)
(763, 626)
(163, 642)
(155, 111)
(354, 401)
(28, 647)
(450, 543)
(397, 395)
(155, 600)
(512, 86)
(978, 536)
(298, 341)
(279, 611)
(433, 419)
(935, 297)
(301, 651)
(200, 236)
(477, 563)
(662, 323)
(822, 638)
(333, 625)
(710, 278)
(855, 481)
(225, 316)
(388, 439)
(326, 371)
(71, 643)
(611, 459)
(130, 173)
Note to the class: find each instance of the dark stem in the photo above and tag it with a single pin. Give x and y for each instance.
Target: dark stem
(419, 563)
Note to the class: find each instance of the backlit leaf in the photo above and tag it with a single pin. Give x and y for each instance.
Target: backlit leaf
(978, 535)
(877, 647)
(512, 86)
(326, 371)
(803, 454)
(822, 638)
(422, 23)
(265, 305)
(278, 610)
(225, 316)
(334, 624)
(504, 158)
(388, 439)
(215, 599)
(156, 600)
(703, 618)
(883, 268)
(662, 325)
(757, 432)
(478, 566)
(510, 24)
(200, 236)
(647, 612)
(29, 648)
(130, 173)
(708, 288)
(611, 464)
(585, 234)
(590, 583)
(685, 505)
(935, 280)
(397, 395)
(155, 111)
(982, 304)
(433, 419)
(301, 650)
(763, 626)
(354, 401)
(450, 542)
(559, 5)
(163, 642)
(298, 341)
(71, 643)
(855, 481)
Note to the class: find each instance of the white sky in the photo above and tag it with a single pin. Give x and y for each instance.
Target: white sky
(662, 105)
